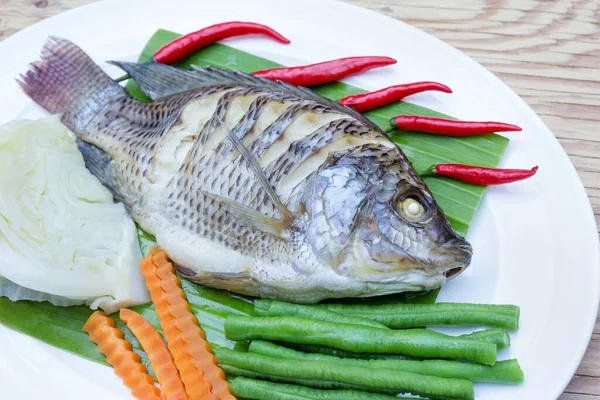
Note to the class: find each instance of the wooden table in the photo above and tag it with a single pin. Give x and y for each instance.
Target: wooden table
(548, 51)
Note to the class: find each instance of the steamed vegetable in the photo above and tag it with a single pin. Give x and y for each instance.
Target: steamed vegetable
(338, 375)
(160, 358)
(268, 308)
(253, 389)
(202, 378)
(502, 372)
(399, 316)
(236, 371)
(62, 238)
(498, 336)
(119, 354)
(330, 351)
(192, 376)
(360, 339)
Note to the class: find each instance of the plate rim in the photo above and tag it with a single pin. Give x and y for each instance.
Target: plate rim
(590, 222)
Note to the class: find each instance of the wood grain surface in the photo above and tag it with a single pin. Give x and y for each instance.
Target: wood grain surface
(548, 51)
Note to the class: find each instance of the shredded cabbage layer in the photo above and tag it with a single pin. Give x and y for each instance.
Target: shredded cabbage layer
(62, 238)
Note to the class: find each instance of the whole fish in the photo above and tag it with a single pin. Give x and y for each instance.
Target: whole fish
(253, 186)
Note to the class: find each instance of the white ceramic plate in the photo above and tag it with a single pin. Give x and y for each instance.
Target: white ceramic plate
(535, 241)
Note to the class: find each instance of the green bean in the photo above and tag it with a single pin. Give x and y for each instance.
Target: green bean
(261, 307)
(268, 308)
(362, 378)
(330, 351)
(328, 385)
(498, 336)
(360, 339)
(502, 372)
(236, 371)
(401, 316)
(263, 390)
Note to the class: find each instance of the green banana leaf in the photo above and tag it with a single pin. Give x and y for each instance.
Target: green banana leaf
(61, 326)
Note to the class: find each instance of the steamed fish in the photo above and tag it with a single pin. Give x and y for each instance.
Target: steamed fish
(62, 238)
(253, 186)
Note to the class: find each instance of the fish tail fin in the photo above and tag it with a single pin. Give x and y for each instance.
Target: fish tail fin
(66, 80)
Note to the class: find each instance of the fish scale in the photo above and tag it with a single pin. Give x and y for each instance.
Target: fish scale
(224, 172)
(274, 131)
(129, 137)
(253, 186)
(318, 143)
(227, 174)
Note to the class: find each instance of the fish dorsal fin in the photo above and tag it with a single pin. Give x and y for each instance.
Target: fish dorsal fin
(158, 81)
(259, 173)
(241, 78)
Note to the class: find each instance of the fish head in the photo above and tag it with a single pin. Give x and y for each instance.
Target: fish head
(397, 237)
(404, 240)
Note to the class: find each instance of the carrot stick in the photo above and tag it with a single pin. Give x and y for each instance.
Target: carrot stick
(158, 354)
(202, 377)
(191, 376)
(119, 354)
(188, 325)
(190, 328)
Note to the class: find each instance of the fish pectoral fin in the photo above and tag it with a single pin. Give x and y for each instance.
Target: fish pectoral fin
(259, 173)
(100, 165)
(251, 217)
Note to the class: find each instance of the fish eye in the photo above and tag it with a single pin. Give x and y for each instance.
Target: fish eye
(412, 208)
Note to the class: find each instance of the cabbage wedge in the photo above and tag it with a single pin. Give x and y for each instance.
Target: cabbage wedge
(62, 238)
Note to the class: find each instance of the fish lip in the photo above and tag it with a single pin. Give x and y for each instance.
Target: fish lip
(416, 280)
(462, 250)
(466, 247)
(468, 250)
(395, 277)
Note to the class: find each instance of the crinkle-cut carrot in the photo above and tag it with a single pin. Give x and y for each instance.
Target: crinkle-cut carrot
(119, 354)
(158, 354)
(186, 322)
(191, 376)
(185, 338)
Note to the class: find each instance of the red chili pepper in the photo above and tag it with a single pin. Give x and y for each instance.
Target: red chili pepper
(448, 127)
(328, 71)
(480, 175)
(187, 45)
(368, 101)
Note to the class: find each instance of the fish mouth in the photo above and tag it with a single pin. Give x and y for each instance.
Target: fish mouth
(445, 262)
(452, 272)
(456, 255)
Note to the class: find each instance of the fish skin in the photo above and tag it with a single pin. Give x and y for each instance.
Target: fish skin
(341, 230)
